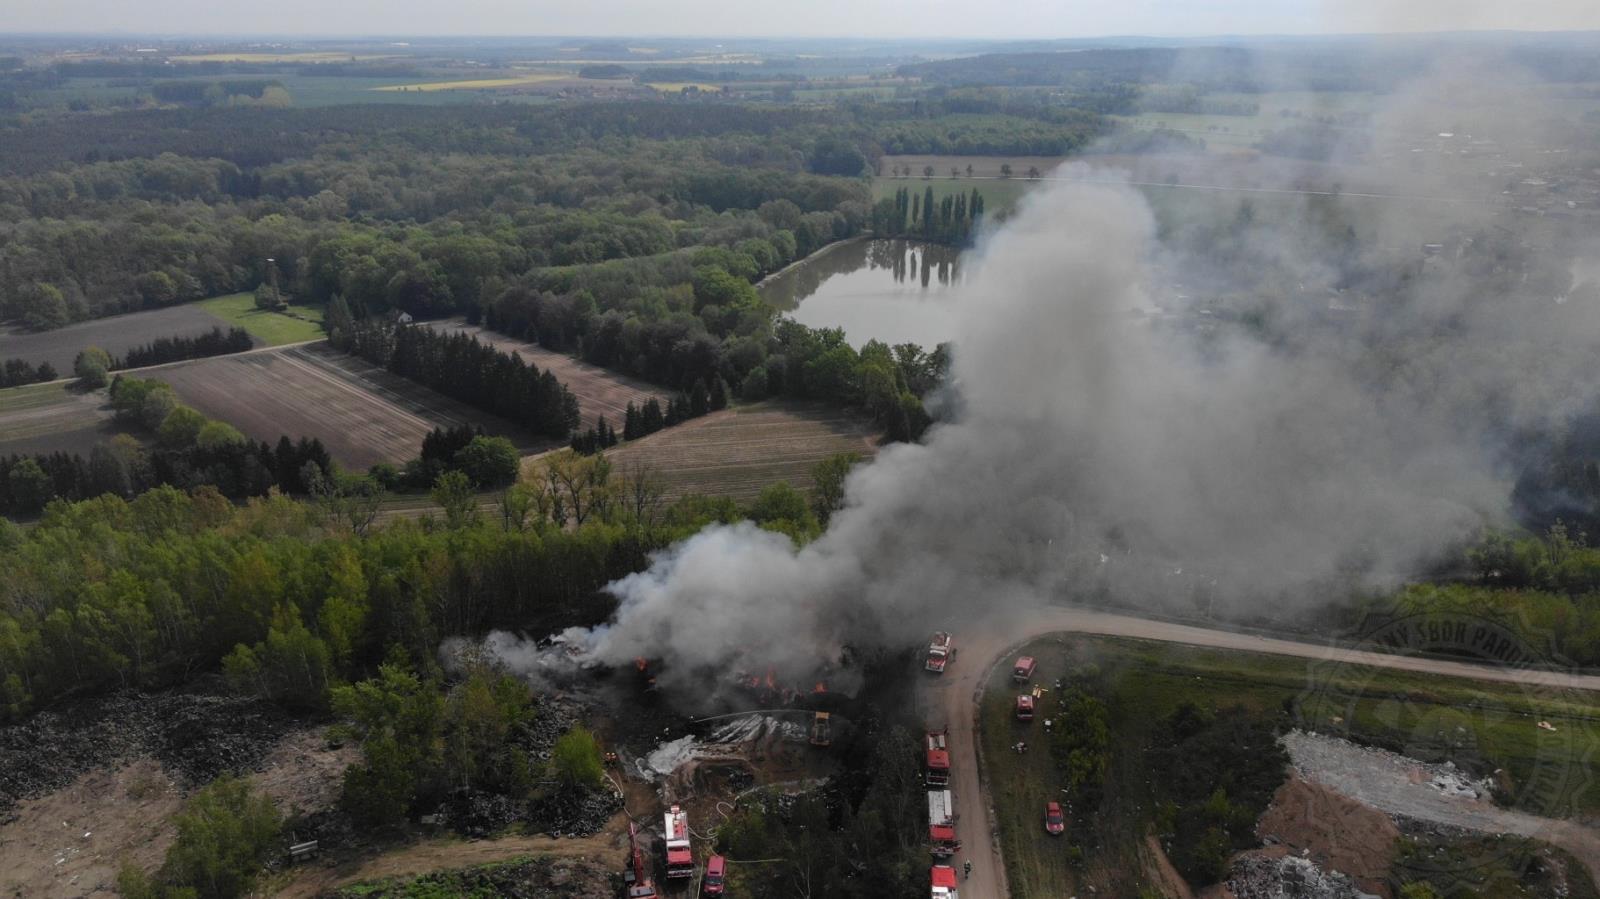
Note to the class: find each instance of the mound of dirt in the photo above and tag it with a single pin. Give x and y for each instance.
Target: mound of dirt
(1263, 876)
(1333, 831)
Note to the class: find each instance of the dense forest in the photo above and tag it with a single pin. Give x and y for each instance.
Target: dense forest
(433, 209)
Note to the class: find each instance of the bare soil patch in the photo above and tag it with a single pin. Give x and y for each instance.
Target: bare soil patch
(737, 452)
(71, 842)
(48, 418)
(1339, 833)
(362, 413)
(116, 335)
(442, 854)
(599, 391)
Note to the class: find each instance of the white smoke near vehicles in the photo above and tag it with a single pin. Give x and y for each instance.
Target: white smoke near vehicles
(1105, 448)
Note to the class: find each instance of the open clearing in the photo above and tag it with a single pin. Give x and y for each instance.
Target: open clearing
(599, 391)
(70, 842)
(296, 325)
(737, 452)
(48, 418)
(361, 413)
(116, 335)
(479, 84)
(678, 87)
(308, 56)
(999, 194)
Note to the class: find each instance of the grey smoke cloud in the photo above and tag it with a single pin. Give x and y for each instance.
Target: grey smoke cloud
(1103, 448)
(1094, 450)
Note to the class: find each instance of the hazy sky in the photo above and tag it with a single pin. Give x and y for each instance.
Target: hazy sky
(852, 18)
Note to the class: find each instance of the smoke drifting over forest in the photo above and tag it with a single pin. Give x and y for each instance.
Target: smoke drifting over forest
(1101, 448)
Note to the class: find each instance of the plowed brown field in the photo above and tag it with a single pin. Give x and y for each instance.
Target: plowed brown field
(739, 451)
(362, 413)
(116, 335)
(46, 418)
(599, 391)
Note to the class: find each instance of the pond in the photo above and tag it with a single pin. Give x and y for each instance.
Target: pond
(896, 291)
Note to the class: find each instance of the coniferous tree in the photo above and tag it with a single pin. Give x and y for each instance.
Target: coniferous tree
(630, 423)
(651, 420)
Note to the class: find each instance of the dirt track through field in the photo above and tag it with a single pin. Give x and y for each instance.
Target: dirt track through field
(951, 700)
(445, 854)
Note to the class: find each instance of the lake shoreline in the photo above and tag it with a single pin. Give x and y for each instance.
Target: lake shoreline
(819, 251)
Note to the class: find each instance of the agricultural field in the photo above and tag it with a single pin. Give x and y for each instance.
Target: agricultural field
(288, 57)
(983, 167)
(599, 391)
(1276, 110)
(480, 84)
(678, 87)
(738, 451)
(298, 324)
(116, 335)
(1425, 716)
(999, 195)
(363, 414)
(48, 418)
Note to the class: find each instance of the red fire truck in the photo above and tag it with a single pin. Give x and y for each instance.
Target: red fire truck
(680, 858)
(938, 767)
(639, 884)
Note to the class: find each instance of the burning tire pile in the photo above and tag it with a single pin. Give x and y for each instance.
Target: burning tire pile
(195, 737)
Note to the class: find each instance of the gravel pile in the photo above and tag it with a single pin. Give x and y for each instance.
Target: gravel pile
(1288, 877)
(195, 737)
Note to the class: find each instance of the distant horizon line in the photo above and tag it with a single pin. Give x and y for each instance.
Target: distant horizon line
(860, 38)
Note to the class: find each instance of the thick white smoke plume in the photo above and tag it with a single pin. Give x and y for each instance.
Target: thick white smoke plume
(1095, 449)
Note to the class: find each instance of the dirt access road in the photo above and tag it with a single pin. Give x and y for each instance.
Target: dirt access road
(950, 700)
(447, 854)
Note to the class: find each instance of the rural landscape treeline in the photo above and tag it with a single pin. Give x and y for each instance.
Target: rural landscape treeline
(354, 394)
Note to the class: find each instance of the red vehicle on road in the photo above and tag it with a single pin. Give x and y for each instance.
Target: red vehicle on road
(716, 875)
(1054, 822)
(938, 763)
(1022, 672)
(1025, 707)
(941, 649)
(680, 855)
(943, 884)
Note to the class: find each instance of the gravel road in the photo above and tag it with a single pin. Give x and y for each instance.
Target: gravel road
(949, 700)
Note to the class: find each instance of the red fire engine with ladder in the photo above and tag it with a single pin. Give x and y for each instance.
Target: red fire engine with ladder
(942, 838)
(680, 858)
(639, 883)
